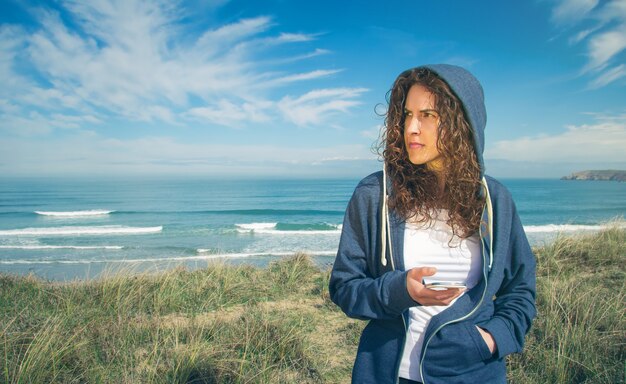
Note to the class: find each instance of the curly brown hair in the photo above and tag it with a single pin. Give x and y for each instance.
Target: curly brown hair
(416, 192)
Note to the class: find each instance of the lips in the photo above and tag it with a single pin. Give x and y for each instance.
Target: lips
(416, 145)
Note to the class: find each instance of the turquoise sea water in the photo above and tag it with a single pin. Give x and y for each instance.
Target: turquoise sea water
(64, 229)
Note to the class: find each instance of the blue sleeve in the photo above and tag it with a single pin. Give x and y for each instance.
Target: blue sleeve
(515, 300)
(360, 291)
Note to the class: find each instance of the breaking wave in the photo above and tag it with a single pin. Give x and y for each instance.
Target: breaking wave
(71, 230)
(289, 229)
(92, 212)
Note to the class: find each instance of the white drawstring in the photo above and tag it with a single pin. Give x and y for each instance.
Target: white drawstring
(383, 214)
(385, 226)
(489, 221)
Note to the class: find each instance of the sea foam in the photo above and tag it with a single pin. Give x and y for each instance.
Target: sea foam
(162, 259)
(556, 228)
(213, 255)
(289, 229)
(92, 212)
(78, 247)
(71, 230)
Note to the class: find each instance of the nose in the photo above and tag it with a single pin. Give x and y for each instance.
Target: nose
(414, 125)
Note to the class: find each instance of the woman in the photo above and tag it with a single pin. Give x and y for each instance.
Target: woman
(433, 215)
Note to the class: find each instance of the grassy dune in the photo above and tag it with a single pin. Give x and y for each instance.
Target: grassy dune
(241, 324)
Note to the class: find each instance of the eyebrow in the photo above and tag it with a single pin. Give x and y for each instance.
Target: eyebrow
(422, 110)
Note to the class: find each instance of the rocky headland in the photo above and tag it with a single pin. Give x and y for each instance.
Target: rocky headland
(603, 175)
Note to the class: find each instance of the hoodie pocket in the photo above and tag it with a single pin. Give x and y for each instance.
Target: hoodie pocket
(456, 349)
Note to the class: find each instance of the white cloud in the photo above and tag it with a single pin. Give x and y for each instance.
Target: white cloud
(134, 60)
(36, 124)
(72, 121)
(613, 10)
(32, 124)
(315, 106)
(567, 11)
(603, 141)
(581, 35)
(227, 113)
(605, 40)
(604, 46)
(609, 76)
(228, 34)
(316, 52)
(11, 41)
(303, 76)
(294, 37)
(293, 59)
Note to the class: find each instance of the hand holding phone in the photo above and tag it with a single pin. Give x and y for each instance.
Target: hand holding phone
(423, 295)
(440, 284)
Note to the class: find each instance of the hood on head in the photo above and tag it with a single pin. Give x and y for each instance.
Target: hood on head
(470, 92)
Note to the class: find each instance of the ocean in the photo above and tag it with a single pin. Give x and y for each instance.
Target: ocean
(63, 229)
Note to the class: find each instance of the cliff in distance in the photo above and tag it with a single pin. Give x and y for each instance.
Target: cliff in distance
(604, 175)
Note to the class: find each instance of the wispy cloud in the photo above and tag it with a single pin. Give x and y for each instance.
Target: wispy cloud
(294, 37)
(568, 11)
(303, 76)
(581, 35)
(315, 53)
(603, 141)
(136, 60)
(312, 107)
(609, 76)
(604, 42)
(227, 113)
(604, 46)
(226, 35)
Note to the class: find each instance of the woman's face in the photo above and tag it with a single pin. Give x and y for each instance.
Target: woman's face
(421, 123)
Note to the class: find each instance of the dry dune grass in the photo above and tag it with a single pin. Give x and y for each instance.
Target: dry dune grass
(241, 324)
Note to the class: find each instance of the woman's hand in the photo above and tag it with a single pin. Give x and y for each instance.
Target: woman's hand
(491, 343)
(425, 296)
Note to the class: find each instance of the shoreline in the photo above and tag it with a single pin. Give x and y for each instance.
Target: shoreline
(89, 270)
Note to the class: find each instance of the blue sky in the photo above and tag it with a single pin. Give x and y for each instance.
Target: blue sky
(292, 88)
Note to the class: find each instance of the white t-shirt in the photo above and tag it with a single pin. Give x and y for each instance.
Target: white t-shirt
(427, 245)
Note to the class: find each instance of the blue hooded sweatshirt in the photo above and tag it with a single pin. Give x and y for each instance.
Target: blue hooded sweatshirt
(368, 279)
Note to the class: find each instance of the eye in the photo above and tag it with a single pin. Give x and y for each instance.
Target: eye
(429, 114)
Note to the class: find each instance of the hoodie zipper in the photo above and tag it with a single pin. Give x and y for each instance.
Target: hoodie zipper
(393, 268)
(482, 242)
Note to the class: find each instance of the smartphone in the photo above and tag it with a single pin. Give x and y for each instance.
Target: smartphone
(437, 284)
